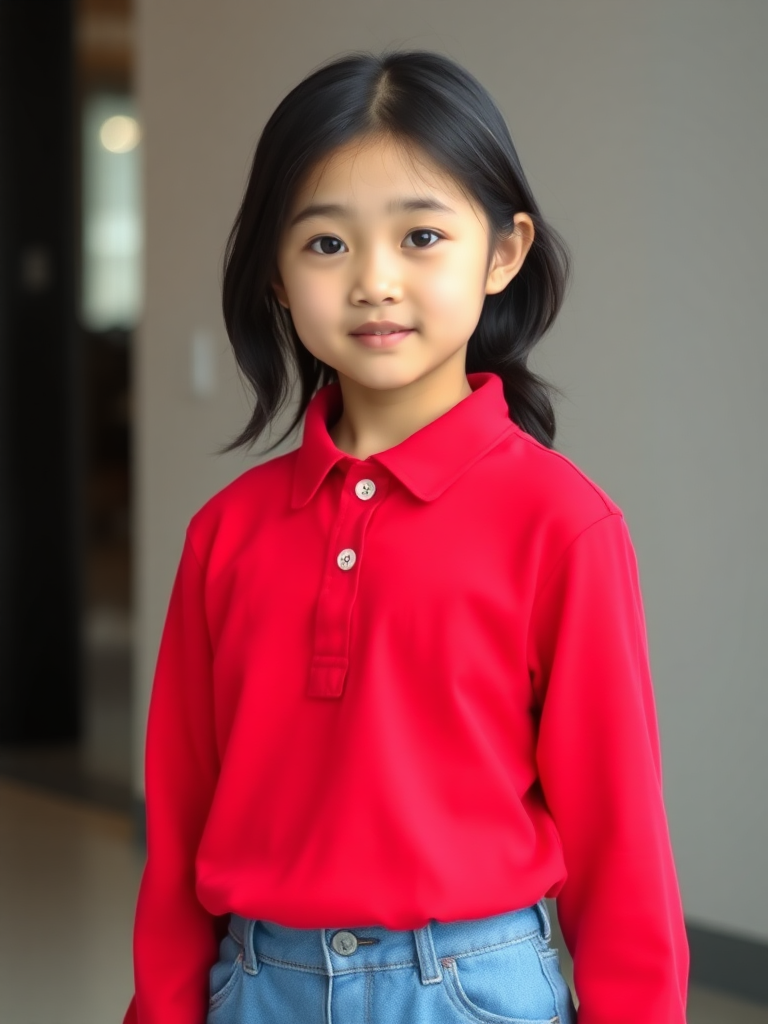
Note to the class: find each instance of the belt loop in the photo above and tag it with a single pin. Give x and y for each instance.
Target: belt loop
(324, 943)
(251, 963)
(425, 950)
(543, 912)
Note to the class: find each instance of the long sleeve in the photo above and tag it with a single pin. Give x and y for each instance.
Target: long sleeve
(175, 939)
(599, 762)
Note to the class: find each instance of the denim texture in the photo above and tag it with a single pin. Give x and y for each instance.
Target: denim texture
(495, 970)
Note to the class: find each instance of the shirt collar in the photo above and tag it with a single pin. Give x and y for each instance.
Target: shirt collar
(428, 461)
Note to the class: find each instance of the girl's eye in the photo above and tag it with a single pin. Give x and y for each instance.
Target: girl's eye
(421, 239)
(330, 245)
(330, 242)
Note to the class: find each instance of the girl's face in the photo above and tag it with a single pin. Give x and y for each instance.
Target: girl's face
(380, 233)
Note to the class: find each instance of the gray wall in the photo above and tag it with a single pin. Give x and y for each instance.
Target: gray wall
(642, 128)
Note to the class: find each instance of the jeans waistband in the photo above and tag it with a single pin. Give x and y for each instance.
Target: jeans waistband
(333, 951)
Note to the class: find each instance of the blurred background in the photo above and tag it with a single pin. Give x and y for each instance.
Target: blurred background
(126, 133)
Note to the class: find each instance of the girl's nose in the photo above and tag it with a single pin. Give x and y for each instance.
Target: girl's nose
(376, 279)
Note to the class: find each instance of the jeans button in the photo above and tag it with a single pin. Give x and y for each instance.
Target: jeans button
(344, 943)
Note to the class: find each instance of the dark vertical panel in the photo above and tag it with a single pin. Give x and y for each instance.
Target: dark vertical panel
(40, 461)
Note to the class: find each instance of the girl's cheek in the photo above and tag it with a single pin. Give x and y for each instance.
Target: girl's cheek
(316, 303)
(446, 292)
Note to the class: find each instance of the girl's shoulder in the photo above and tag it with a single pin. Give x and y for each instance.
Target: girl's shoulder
(243, 505)
(560, 497)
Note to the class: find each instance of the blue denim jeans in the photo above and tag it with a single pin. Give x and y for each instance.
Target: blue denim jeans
(493, 970)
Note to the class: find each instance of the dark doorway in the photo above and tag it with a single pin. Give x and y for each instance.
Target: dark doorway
(66, 333)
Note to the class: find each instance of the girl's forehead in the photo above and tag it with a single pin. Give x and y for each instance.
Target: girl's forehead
(379, 164)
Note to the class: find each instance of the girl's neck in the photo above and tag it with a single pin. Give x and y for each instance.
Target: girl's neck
(373, 420)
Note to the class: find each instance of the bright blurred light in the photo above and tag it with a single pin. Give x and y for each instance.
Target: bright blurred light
(120, 134)
(111, 293)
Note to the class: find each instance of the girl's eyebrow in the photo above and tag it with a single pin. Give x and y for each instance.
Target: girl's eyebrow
(396, 205)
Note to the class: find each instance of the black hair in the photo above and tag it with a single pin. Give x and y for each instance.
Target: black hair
(421, 98)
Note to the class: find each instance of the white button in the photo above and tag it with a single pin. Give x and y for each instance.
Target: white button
(365, 489)
(346, 558)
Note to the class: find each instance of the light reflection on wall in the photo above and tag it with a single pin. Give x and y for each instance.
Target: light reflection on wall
(112, 252)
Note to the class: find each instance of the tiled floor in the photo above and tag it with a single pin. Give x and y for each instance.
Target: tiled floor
(68, 881)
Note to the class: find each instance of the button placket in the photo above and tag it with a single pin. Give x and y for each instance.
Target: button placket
(339, 585)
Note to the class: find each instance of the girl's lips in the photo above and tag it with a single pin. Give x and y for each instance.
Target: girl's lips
(382, 340)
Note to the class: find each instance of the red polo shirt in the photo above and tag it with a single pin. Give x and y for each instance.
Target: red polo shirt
(408, 687)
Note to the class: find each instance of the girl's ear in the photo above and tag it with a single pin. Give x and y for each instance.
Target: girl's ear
(279, 290)
(510, 254)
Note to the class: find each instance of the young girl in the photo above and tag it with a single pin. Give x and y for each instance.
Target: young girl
(403, 692)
